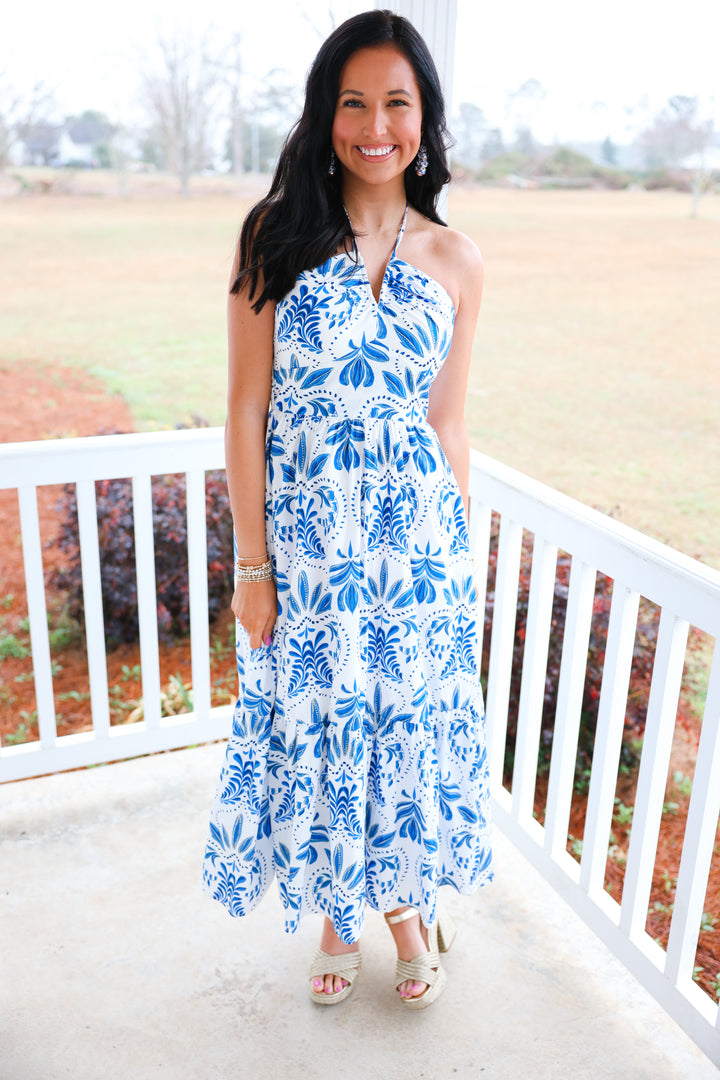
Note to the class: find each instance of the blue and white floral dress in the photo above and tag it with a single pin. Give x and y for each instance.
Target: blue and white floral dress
(356, 771)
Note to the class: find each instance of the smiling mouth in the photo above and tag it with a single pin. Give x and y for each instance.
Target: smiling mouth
(377, 153)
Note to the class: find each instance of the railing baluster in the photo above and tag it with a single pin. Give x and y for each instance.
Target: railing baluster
(501, 644)
(700, 829)
(37, 614)
(92, 606)
(654, 764)
(608, 737)
(198, 584)
(480, 529)
(532, 687)
(147, 599)
(571, 684)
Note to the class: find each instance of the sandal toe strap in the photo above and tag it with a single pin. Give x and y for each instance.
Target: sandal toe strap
(344, 966)
(424, 968)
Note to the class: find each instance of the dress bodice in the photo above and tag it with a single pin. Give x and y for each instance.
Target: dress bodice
(339, 352)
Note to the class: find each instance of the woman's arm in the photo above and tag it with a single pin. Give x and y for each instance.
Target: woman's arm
(250, 358)
(446, 409)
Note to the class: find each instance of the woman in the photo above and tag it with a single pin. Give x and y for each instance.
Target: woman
(356, 770)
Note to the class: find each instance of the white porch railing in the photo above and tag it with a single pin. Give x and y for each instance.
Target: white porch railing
(26, 466)
(686, 592)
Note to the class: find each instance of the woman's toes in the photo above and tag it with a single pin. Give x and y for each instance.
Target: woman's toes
(412, 990)
(317, 984)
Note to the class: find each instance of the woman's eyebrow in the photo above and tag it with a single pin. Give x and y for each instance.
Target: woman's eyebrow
(390, 93)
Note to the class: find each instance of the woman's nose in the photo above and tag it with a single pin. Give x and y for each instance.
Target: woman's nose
(375, 122)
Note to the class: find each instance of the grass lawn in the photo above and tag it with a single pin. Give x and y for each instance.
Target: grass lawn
(597, 359)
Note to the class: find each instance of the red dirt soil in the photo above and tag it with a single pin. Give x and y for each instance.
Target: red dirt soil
(42, 402)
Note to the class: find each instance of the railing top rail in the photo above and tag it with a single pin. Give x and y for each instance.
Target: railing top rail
(617, 549)
(657, 571)
(107, 457)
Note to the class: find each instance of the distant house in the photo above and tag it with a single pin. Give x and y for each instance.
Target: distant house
(76, 142)
(40, 144)
(80, 139)
(71, 152)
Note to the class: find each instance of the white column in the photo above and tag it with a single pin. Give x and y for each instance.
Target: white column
(436, 21)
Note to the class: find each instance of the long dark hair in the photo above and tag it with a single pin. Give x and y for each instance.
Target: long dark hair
(301, 222)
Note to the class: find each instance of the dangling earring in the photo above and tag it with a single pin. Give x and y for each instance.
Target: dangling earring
(331, 170)
(421, 161)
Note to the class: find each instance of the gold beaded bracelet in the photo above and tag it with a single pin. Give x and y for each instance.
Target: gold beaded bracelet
(262, 572)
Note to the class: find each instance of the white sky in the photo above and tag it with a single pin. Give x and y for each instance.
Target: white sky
(628, 54)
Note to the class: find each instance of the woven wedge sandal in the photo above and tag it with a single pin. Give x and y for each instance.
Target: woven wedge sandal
(446, 930)
(344, 966)
(426, 967)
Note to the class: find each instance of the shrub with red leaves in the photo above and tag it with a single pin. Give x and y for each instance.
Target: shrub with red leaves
(117, 554)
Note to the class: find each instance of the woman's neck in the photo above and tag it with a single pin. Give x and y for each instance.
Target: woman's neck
(374, 210)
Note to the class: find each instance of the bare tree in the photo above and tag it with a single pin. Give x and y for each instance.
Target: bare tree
(19, 112)
(232, 69)
(231, 79)
(676, 132)
(522, 107)
(470, 130)
(679, 138)
(274, 108)
(180, 93)
(322, 26)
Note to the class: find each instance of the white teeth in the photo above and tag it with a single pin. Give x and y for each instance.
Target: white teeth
(376, 151)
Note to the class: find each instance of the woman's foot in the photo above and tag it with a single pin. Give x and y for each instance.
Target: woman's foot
(411, 940)
(330, 943)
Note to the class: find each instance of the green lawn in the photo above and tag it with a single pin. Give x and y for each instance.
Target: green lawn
(597, 358)
(132, 291)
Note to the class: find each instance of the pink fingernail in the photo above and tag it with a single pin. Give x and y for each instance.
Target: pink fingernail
(268, 640)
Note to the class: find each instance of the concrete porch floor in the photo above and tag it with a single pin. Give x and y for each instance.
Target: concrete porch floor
(115, 965)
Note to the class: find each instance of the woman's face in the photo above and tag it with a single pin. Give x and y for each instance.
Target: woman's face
(378, 115)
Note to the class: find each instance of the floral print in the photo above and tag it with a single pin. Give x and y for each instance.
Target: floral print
(356, 771)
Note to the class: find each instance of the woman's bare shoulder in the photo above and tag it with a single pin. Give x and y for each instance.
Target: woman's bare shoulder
(458, 247)
(453, 259)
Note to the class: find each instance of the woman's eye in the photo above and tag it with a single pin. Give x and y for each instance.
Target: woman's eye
(352, 103)
(399, 101)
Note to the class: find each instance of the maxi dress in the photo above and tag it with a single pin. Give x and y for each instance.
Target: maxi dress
(356, 771)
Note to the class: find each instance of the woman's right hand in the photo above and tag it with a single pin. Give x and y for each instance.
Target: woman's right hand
(254, 605)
